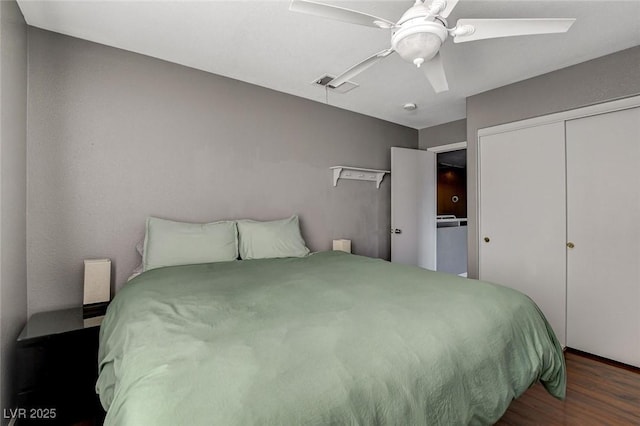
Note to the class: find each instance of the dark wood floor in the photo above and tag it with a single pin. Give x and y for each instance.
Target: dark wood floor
(598, 393)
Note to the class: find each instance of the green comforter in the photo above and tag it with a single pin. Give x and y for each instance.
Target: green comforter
(331, 338)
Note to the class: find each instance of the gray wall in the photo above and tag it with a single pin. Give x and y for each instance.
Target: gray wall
(13, 145)
(443, 134)
(607, 78)
(115, 136)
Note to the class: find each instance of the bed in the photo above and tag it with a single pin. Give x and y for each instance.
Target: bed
(330, 338)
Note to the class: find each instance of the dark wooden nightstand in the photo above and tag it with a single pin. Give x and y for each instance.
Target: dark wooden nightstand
(57, 369)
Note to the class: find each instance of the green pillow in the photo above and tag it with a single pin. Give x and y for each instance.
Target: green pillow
(169, 243)
(265, 240)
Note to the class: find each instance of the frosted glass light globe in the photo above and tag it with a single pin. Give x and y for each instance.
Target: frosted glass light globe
(420, 45)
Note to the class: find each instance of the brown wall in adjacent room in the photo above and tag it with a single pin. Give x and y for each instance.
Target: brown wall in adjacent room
(452, 181)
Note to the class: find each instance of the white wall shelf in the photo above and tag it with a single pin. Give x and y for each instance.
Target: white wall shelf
(357, 173)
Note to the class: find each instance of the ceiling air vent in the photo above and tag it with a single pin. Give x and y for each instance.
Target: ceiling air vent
(343, 88)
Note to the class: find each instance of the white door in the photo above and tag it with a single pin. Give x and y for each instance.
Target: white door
(413, 207)
(522, 216)
(603, 270)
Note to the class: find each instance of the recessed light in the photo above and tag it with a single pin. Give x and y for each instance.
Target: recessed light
(410, 107)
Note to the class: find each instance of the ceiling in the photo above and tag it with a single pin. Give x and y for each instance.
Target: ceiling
(261, 42)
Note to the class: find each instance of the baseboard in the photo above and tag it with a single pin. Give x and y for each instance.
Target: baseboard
(604, 360)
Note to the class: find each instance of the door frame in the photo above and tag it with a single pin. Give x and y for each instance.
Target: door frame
(454, 146)
(597, 109)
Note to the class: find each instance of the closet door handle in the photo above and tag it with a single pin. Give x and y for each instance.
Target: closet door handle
(487, 239)
(570, 245)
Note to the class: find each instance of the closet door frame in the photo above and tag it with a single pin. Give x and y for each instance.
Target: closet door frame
(611, 106)
(560, 117)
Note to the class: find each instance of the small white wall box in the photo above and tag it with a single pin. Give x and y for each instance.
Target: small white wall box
(97, 287)
(342, 245)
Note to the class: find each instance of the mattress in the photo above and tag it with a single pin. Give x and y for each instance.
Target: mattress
(331, 338)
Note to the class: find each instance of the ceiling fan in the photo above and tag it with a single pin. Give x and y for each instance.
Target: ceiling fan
(420, 32)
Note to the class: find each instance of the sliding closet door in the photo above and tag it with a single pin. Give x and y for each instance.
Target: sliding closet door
(522, 220)
(603, 203)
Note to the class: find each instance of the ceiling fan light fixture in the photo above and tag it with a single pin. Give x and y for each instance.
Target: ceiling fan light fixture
(421, 31)
(419, 43)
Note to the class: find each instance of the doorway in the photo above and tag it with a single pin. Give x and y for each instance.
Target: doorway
(418, 236)
(451, 219)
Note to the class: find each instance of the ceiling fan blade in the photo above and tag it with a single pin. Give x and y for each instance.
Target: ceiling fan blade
(449, 8)
(339, 14)
(495, 28)
(434, 70)
(358, 68)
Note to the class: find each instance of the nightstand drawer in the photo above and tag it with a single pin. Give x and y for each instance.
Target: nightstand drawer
(56, 372)
(32, 368)
(40, 407)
